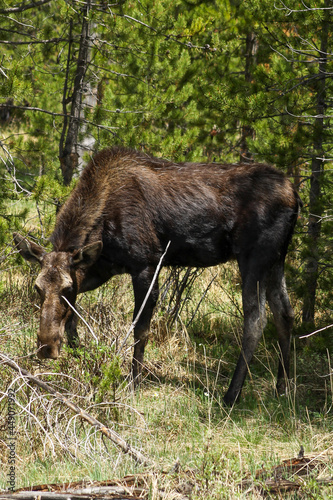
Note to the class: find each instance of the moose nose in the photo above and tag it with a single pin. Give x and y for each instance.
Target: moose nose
(47, 352)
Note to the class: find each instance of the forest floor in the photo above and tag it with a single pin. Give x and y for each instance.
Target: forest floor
(193, 446)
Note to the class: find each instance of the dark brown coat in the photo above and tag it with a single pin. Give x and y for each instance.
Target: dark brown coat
(125, 209)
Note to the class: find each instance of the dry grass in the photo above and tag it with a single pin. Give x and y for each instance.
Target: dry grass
(178, 416)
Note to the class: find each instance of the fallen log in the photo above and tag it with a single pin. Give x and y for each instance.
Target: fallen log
(110, 494)
(131, 487)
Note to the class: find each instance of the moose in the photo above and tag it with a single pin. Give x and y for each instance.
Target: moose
(128, 207)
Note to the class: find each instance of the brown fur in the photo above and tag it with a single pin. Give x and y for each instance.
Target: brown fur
(127, 206)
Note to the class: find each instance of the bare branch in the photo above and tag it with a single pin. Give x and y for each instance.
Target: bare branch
(139, 22)
(317, 331)
(23, 7)
(306, 8)
(33, 42)
(10, 167)
(107, 432)
(81, 318)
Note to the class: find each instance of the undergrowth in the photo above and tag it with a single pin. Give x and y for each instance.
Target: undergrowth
(177, 416)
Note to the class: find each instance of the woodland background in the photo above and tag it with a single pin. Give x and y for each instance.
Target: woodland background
(222, 80)
(213, 80)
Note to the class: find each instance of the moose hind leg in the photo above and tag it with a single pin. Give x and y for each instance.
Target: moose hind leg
(141, 284)
(283, 313)
(254, 299)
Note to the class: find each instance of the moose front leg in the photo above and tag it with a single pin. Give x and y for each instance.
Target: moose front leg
(141, 284)
(71, 331)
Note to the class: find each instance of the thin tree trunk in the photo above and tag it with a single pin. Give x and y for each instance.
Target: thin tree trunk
(317, 169)
(68, 145)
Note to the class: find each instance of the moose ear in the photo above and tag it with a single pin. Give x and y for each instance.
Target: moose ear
(30, 251)
(86, 256)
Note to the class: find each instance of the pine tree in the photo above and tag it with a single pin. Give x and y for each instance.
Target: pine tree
(214, 80)
(299, 71)
(151, 91)
(284, 101)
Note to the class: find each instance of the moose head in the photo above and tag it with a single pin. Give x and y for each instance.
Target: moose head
(57, 284)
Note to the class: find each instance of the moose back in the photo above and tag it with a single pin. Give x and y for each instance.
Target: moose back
(127, 207)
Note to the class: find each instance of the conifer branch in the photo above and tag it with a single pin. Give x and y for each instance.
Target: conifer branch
(53, 113)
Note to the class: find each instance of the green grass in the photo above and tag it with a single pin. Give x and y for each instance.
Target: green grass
(178, 413)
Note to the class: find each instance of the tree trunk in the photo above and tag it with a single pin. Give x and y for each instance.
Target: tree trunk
(317, 169)
(68, 144)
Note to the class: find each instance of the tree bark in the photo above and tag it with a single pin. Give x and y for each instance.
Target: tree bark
(68, 144)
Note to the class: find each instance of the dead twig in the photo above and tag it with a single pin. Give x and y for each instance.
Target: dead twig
(107, 432)
(317, 331)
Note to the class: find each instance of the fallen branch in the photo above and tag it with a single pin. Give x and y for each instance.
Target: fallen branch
(132, 487)
(317, 331)
(109, 433)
